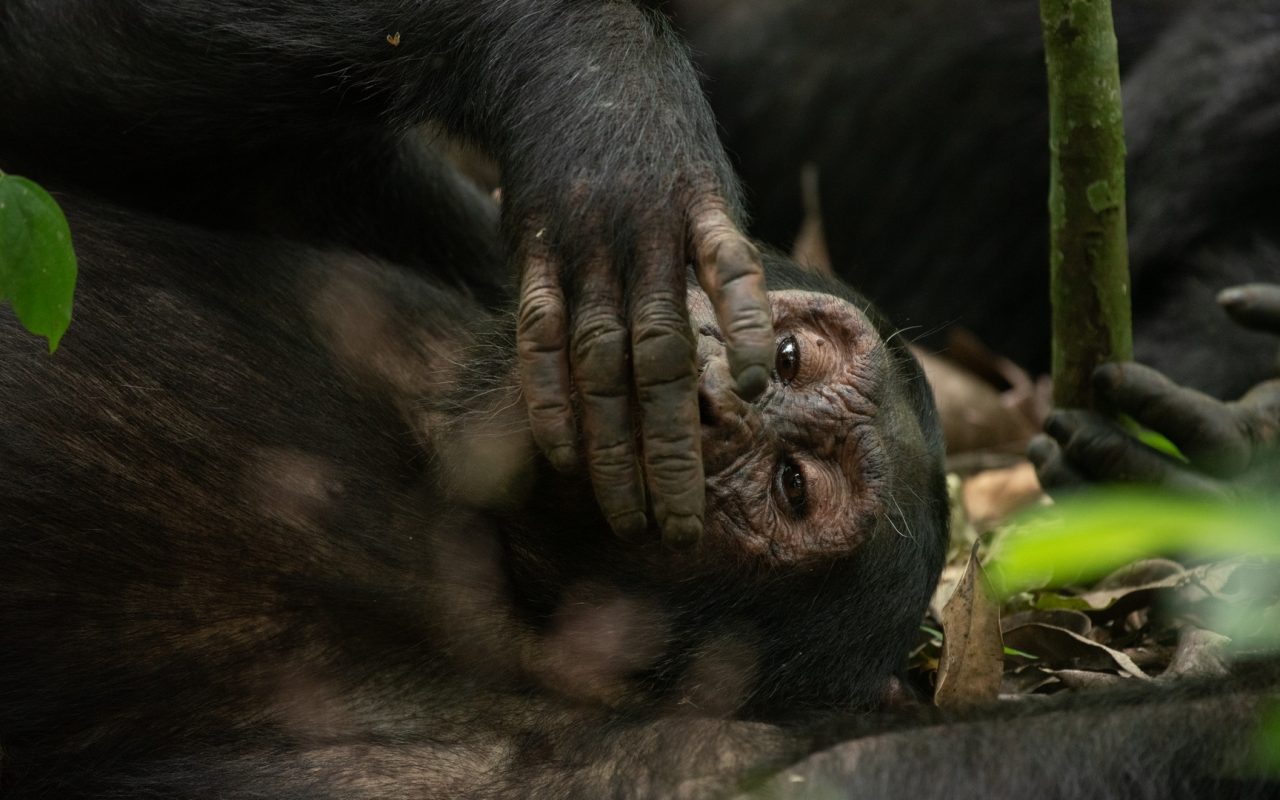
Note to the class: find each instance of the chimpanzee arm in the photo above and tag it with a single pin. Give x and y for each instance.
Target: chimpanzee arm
(613, 176)
(1132, 742)
(1230, 447)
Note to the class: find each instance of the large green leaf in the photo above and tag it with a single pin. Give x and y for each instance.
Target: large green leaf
(37, 264)
(1089, 536)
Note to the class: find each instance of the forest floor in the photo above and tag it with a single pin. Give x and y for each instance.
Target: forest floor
(1152, 620)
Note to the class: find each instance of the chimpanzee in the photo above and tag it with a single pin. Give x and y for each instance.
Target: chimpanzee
(273, 523)
(272, 516)
(272, 512)
(927, 124)
(274, 527)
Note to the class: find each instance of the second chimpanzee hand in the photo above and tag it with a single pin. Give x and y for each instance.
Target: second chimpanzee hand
(1230, 448)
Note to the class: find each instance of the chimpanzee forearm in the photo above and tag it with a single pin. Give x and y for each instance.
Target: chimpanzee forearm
(551, 755)
(187, 78)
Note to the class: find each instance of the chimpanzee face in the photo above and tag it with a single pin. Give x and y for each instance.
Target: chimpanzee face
(835, 451)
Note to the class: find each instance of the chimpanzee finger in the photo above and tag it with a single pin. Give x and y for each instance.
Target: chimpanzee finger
(730, 270)
(542, 352)
(600, 354)
(1206, 430)
(1259, 412)
(665, 366)
(1052, 469)
(1100, 450)
(1254, 305)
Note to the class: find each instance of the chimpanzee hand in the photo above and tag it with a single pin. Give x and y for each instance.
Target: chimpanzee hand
(1231, 448)
(612, 330)
(614, 182)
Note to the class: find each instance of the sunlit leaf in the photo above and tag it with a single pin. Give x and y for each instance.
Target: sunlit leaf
(1086, 537)
(1152, 439)
(37, 264)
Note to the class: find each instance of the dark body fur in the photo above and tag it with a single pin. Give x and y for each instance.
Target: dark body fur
(928, 125)
(272, 522)
(246, 546)
(244, 558)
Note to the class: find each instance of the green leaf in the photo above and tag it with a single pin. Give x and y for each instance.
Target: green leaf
(37, 264)
(1013, 651)
(1089, 536)
(1266, 747)
(1153, 439)
(934, 632)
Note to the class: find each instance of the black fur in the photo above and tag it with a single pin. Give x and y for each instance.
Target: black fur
(928, 124)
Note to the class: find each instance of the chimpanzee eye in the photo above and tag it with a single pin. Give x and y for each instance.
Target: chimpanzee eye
(787, 364)
(791, 486)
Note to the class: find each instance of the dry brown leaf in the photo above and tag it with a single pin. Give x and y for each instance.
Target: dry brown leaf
(1026, 680)
(974, 415)
(1200, 653)
(1151, 657)
(1059, 617)
(810, 247)
(993, 495)
(1031, 398)
(1189, 586)
(1059, 647)
(972, 661)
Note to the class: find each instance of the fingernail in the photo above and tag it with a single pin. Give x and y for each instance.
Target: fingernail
(563, 458)
(630, 526)
(681, 533)
(1056, 425)
(1039, 448)
(752, 382)
(1235, 296)
(1106, 376)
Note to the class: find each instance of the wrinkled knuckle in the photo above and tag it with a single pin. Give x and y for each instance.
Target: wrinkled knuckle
(664, 354)
(751, 327)
(672, 452)
(594, 326)
(599, 338)
(737, 259)
(541, 314)
(547, 407)
(707, 205)
(613, 462)
(661, 308)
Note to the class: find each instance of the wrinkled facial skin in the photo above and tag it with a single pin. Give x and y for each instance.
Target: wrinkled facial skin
(811, 467)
